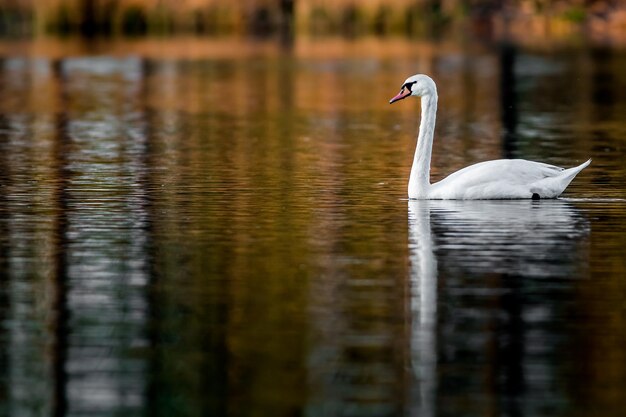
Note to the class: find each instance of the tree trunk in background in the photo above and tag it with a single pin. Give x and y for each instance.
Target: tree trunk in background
(287, 16)
(287, 8)
(88, 22)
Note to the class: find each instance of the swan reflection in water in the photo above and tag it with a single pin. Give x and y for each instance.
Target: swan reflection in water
(487, 279)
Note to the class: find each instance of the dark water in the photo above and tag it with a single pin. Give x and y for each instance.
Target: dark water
(227, 233)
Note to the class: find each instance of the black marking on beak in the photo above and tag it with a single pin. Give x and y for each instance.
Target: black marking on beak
(408, 86)
(402, 95)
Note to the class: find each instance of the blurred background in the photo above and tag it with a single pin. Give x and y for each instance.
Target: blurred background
(599, 18)
(203, 209)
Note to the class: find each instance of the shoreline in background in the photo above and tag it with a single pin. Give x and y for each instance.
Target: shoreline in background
(228, 47)
(191, 46)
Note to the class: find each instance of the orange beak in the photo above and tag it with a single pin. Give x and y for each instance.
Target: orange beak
(401, 95)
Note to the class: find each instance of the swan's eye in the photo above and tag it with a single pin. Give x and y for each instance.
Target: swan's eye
(408, 85)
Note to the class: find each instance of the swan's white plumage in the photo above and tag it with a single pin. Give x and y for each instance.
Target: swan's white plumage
(499, 179)
(505, 179)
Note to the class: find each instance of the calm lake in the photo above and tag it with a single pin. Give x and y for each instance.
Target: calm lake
(219, 227)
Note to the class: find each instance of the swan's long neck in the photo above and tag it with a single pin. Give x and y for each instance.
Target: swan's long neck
(419, 181)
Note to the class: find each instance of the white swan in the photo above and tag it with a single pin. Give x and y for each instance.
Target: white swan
(499, 179)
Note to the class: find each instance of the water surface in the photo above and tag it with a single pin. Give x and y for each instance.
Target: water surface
(219, 231)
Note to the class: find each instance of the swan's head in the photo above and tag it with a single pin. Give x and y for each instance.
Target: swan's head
(418, 85)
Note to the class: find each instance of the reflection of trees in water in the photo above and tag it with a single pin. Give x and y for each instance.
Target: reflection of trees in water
(60, 314)
(324, 325)
(503, 271)
(100, 238)
(77, 221)
(5, 250)
(189, 313)
(508, 99)
(22, 341)
(356, 361)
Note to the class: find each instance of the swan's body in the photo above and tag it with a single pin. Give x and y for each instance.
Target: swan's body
(502, 179)
(499, 179)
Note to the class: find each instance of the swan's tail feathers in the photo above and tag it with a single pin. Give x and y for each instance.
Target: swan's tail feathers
(570, 173)
(553, 187)
(582, 166)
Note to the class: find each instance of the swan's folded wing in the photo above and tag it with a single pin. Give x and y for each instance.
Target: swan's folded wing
(502, 178)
